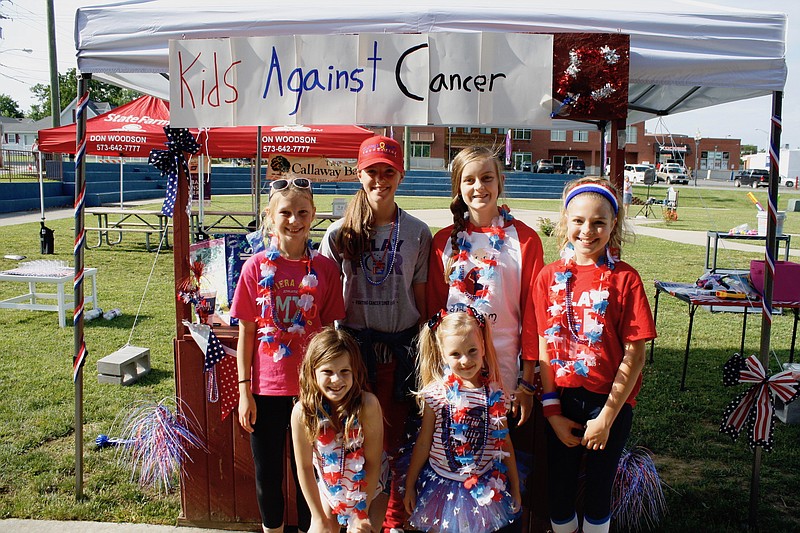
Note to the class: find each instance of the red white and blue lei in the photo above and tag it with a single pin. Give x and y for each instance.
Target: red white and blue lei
(494, 436)
(559, 342)
(337, 455)
(270, 328)
(487, 275)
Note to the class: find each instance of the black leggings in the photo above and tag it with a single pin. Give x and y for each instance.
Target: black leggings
(267, 441)
(564, 463)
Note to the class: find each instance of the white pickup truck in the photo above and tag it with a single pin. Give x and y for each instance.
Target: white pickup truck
(672, 173)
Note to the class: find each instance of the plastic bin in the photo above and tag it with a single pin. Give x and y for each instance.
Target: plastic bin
(761, 216)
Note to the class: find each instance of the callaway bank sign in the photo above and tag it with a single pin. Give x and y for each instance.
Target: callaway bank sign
(502, 79)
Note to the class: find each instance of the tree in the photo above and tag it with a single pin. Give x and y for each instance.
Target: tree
(9, 107)
(68, 90)
(748, 149)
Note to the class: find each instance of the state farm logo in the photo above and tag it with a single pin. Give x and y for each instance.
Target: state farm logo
(130, 127)
(296, 128)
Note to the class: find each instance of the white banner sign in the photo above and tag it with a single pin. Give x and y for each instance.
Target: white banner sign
(492, 79)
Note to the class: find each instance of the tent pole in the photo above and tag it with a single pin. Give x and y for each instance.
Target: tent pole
(201, 191)
(617, 152)
(257, 181)
(769, 277)
(602, 125)
(121, 163)
(79, 354)
(41, 183)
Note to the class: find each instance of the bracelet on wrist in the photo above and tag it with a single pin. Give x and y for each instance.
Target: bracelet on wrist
(530, 387)
(523, 390)
(551, 404)
(244, 381)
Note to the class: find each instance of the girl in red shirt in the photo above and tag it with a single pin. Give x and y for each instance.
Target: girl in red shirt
(593, 325)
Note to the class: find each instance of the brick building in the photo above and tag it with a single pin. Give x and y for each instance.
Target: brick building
(434, 147)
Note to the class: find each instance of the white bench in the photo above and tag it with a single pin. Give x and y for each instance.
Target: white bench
(64, 300)
(124, 366)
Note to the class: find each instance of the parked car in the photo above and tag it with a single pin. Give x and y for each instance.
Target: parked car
(753, 177)
(636, 173)
(672, 174)
(575, 166)
(789, 182)
(544, 166)
(526, 166)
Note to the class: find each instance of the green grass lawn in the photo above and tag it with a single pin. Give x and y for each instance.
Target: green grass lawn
(708, 476)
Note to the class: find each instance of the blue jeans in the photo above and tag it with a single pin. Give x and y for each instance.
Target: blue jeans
(564, 463)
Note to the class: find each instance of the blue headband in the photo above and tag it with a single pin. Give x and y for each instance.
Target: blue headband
(591, 187)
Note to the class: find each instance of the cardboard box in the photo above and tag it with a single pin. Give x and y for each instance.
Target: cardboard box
(786, 286)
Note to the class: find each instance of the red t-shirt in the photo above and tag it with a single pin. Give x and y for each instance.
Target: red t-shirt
(627, 318)
(282, 378)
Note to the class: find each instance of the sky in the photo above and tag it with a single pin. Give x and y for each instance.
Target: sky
(748, 120)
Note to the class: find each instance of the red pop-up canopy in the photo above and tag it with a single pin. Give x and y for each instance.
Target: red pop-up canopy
(130, 130)
(133, 129)
(298, 141)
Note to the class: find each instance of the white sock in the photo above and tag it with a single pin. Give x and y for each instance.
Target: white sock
(567, 527)
(278, 529)
(594, 526)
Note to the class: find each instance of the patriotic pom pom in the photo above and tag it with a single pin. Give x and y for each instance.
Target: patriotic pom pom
(159, 436)
(638, 499)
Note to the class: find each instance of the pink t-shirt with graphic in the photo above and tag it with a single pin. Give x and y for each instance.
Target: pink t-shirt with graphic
(282, 378)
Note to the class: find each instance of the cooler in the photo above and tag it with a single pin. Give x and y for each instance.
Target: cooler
(786, 286)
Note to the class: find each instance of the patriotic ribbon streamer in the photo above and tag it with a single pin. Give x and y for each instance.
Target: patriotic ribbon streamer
(171, 160)
(219, 366)
(754, 408)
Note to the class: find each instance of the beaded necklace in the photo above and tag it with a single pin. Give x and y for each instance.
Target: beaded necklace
(493, 434)
(394, 236)
(270, 327)
(487, 275)
(336, 453)
(561, 311)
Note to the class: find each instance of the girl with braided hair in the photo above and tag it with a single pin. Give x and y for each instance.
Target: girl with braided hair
(489, 260)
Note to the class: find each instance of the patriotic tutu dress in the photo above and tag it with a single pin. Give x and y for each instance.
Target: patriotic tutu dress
(463, 486)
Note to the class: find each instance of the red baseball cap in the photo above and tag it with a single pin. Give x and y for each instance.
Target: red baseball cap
(380, 149)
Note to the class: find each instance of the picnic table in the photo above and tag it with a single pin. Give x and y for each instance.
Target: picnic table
(218, 221)
(698, 297)
(124, 220)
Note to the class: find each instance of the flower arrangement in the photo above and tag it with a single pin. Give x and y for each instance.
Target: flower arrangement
(189, 292)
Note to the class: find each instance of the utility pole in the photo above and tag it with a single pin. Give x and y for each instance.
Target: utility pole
(55, 97)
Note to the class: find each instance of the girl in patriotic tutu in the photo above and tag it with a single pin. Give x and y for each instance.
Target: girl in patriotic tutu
(594, 324)
(463, 476)
(337, 429)
(284, 295)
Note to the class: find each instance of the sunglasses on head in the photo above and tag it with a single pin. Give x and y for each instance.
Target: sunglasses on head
(281, 184)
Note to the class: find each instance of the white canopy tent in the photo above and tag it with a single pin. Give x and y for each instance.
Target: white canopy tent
(684, 55)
